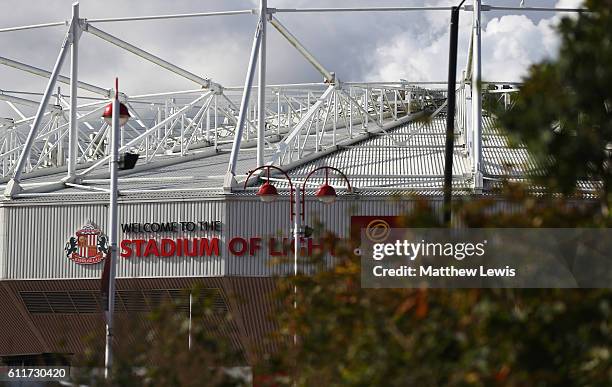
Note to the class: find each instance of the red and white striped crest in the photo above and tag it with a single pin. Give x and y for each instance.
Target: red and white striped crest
(88, 246)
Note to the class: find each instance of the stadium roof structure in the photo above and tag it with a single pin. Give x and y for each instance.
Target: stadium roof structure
(386, 136)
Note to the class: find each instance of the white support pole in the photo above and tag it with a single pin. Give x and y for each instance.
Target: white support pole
(477, 96)
(113, 236)
(13, 186)
(73, 139)
(244, 105)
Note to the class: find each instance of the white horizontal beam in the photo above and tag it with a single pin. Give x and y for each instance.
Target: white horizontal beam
(33, 26)
(359, 9)
(173, 16)
(536, 9)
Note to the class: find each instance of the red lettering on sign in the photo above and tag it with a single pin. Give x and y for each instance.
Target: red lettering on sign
(238, 250)
(209, 247)
(255, 245)
(179, 247)
(151, 248)
(126, 250)
(168, 247)
(139, 243)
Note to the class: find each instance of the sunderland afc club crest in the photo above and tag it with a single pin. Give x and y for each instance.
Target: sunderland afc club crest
(88, 246)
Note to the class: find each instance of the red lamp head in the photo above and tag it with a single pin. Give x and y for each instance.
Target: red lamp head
(124, 114)
(267, 192)
(326, 194)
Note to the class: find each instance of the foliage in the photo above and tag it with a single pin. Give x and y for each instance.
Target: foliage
(352, 336)
(563, 112)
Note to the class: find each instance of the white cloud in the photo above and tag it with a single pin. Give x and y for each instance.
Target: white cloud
(357, 46)
(510, 44)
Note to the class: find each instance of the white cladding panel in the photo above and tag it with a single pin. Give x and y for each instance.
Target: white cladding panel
(249, 216)
(35, 237)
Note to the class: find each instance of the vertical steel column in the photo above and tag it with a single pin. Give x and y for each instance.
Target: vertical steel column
(230, 179)
(477, 96)
(59, 146)
(261, 132)
(450, 114)
(113, 233)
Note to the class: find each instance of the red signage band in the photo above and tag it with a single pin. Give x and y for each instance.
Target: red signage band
(193, 247)
(205, 247)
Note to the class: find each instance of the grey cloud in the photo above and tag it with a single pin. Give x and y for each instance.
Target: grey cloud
(357, 46)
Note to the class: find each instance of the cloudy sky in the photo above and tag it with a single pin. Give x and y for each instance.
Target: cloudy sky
(357, 46)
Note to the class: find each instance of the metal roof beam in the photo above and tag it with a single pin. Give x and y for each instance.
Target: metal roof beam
(21, 101)
(33, 26)
(204, 82)
(360, 9)
(172, 16)
(46, 74)
(327, 75)
(486, 7)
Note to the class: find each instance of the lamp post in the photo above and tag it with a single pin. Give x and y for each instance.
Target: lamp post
(450, 113)
(325, 194)
(115, 114)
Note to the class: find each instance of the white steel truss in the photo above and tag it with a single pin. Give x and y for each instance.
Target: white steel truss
(291, 123)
